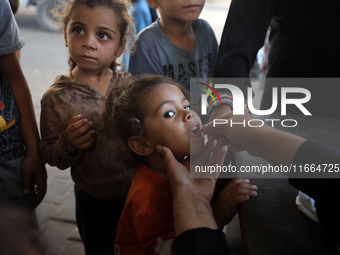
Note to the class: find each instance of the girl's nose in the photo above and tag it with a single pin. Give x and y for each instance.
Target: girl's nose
(187, 115)
(89, 43)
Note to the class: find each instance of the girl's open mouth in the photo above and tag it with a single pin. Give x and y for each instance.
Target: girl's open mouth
(196, 133)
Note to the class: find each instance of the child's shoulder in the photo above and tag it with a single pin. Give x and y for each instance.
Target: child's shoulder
(59, 85)
(150, 31)
(201, 24)
(204, 31)
(60, 81)
(149, 190)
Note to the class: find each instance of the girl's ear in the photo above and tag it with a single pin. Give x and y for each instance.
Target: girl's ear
(65, 38)
(140, 146)
(121, 49)
(153, 4)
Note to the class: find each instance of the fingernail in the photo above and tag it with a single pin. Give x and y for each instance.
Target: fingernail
(158, 148)
(253, 186)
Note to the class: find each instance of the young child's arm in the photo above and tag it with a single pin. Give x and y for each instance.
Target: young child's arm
(227, 203)
(33, 169)
(62, 133)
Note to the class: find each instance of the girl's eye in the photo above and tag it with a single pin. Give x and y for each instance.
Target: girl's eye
(78, 30)
(169, 114)
(187, 108)
(104, 36)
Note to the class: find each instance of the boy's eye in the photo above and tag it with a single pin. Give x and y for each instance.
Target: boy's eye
(169, 114)
(103, 36)
(187, 108)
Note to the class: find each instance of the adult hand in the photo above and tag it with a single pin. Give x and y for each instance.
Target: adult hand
(239, 136)
(191, 208)
(275, 146)
(219, 111)
(178, 173)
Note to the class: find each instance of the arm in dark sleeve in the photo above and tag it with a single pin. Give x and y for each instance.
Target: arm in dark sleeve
(325, 192)
(243, 35)
(202, 241)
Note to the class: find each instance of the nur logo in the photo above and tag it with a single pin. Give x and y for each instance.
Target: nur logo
(239, 99)
(209, 93)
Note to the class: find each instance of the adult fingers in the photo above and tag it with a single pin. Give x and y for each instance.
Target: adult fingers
(167, 156)
(214, 130)
(204, 156)
(176, 172)
(218, 156)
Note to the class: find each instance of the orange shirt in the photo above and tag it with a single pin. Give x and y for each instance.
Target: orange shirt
(146, 224)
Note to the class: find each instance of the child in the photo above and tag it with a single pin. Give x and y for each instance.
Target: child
(22, 172)
(152, 110)
(141, 15)
(178, 45)
(95, 33)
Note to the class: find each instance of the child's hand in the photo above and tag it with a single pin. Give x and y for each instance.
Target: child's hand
(34, 173)
(79, 134)
(227, 203)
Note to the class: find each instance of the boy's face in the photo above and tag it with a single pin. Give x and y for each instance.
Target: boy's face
(170, 122)
(181, 10)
